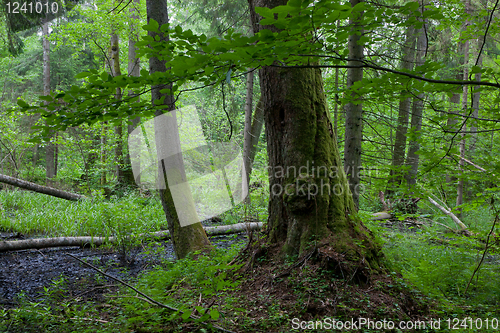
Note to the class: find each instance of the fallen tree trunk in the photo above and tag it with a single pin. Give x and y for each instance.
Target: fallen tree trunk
(41, 243)
(463, 227)
(381, 216)
(40, 189)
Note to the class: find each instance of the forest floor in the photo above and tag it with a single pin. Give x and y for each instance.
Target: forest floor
(431, 275)
(32, 272)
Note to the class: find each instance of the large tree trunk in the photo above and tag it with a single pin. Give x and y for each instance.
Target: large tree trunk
(51, 148)
(398, 155)
(412, 160)
(310, 202)
(192, 237)
(354, 109)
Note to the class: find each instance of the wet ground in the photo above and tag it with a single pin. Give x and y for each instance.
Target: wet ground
(29, 271)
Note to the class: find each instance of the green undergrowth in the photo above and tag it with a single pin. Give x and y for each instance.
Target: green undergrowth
(447, 266)
(195, 287)
(33, 213)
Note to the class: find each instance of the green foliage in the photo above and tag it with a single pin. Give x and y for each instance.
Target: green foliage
(442, 266)
(32, 213)
(180, 285)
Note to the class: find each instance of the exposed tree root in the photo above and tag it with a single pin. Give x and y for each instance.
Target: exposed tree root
(321, 283)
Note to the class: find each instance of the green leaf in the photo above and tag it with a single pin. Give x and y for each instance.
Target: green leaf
(214, 314)
(228, 76)
(295, 3)
(476, 69)
(186, 314)
(47, 98)
(22, 103)
(264, 12)
(151, 26)
(105, 76)
(209, 70)
(82, 75)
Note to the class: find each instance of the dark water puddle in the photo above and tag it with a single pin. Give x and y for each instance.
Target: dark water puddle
(30, 271)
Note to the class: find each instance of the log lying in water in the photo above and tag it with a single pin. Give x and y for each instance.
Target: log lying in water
(41, 243)
(40, 189)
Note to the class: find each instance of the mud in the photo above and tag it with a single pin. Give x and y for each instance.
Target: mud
(29, 271)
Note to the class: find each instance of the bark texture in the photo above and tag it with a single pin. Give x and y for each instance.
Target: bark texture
(354, 109)
(192, 237)
(310, 203)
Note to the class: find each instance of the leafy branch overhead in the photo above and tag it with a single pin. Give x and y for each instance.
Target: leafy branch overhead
(300, 34)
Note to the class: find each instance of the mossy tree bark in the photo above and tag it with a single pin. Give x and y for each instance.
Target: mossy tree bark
(310, 205)
(192, 237)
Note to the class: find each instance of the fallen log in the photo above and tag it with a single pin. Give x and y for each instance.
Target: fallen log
(39, 188)
(381, 216)
(41, 243)
(463, 227)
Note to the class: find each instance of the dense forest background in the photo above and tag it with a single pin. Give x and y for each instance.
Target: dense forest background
(410, 94)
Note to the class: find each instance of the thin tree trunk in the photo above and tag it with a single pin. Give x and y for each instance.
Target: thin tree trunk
(247, 136)
(398, 156)
(336, 106)
(476, 97)
(255, 130)
(51, 148)
(116, 71)
(354, 109)
(192, 237)
(451, 123)
(463, 129)
(412, 159)
(134, 67)
(104, 140)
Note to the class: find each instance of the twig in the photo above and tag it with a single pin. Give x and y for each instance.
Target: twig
(484, 253)
(146, 297)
